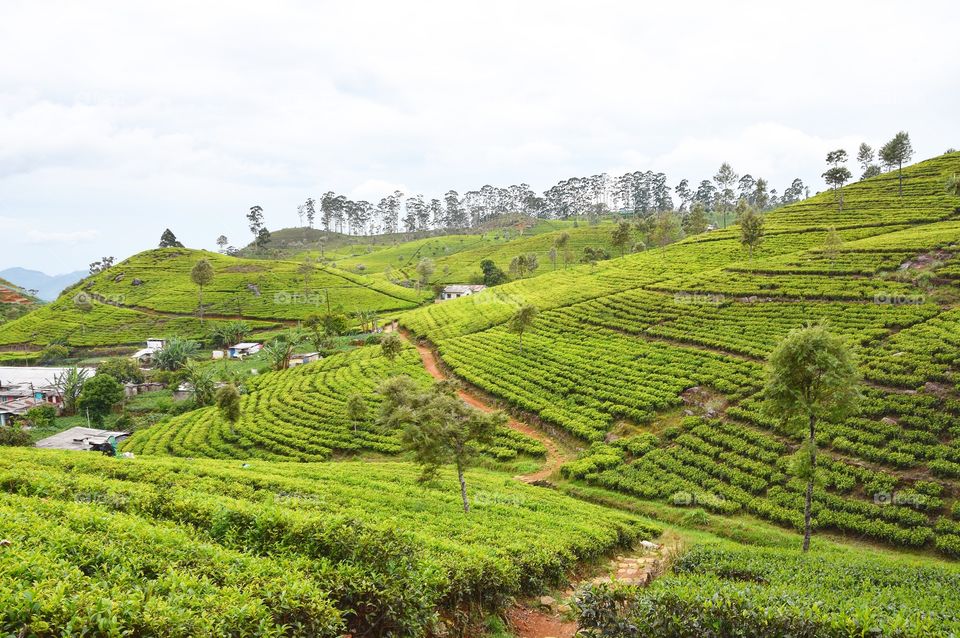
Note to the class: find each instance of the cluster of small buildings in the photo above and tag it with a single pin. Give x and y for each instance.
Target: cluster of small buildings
(22, 388)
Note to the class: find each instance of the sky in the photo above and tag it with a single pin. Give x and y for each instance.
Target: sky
(120, 119)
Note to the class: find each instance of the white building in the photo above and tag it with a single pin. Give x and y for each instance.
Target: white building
(455, 291)
(242, 350)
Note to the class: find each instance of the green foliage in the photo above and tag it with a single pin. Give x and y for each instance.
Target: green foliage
(812, 374)
(123, 369)
(438, 426)
(300, 414)
(275, 549)
(169, 240)
(175, 354)
(391, 345)
(99, 396)
(53, 354)
(756, 592)
(14, 436)
(41, 416)
(228, 402)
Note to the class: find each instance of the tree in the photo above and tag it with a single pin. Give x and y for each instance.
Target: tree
(666, 229)
(438, 427)
(280, 350)
(865, 159)
(425, 268)
(953, 185)
(228, 403)
(255, 220)
(696, 222)
(98, 397)
(832, 244)
(493, 275)
(101, 265)
(201, 377)
(175, 354)
(751, 228)
(521, 320)
(621, 236)
(838, 174)
(222, 242)
(391, 346)
(523, 265)
(84, 303)
(69, 384)
(169, 240)
(310, 211)
(201, 275)
(123, 369)
(230, 333)
(356, 410)
(307, 269)
(725, 179)
(263, 238)
(813, 375)
(897, 152)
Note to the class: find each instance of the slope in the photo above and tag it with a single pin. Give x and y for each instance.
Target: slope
(206, 548)
(622, 349)
(151, 294)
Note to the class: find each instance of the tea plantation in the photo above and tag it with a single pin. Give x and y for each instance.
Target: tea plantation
(616, 349)
(99, 546)
(301, 414)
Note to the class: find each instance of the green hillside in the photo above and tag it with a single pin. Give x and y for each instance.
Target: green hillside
(151, 294)
(300, 414)
(457, 257)
(207, 548)
(637, 394)
(616, 347)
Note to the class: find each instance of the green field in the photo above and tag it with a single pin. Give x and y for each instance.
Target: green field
(616, 346)
(644, 374)
(300, 414)
(151, 295)
(208, 548)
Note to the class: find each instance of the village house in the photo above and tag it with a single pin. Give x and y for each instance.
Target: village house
(145, 356)
(22, 388)
(242, 350)
(83, 439)
(455, 291)
(304, 358)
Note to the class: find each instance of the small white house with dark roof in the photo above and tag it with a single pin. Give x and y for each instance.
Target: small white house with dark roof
(455, 291)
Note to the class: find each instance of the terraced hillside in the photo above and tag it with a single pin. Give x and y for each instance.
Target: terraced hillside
(457, 257)
(300, 414)
(109, 547)
(621, 350)
(151, 294)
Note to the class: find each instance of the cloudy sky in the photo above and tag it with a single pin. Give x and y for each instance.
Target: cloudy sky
(118, 119)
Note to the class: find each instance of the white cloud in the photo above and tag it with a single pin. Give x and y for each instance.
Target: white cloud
(135, 117)
(21, 231)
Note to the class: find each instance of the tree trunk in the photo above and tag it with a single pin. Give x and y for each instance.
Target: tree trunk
(201, 305)
(808, 506)
(463, 489)
(900, 178)
(521, 343)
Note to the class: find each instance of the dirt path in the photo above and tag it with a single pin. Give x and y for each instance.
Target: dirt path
(555, 455)
(546, 617)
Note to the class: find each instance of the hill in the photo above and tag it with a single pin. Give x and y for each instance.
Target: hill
(209, 548)
(48, 287)
(300, 414)
(657, 358)
(151, 294)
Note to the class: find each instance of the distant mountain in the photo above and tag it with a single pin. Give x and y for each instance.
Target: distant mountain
(48, 287)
